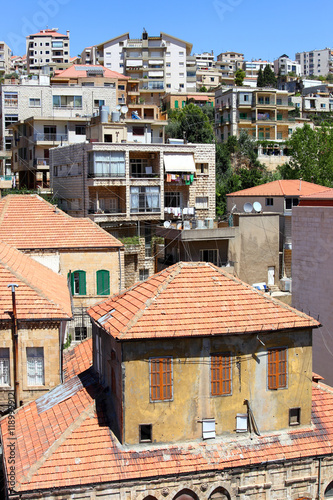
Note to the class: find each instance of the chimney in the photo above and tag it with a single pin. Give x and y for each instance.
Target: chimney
(67, 33)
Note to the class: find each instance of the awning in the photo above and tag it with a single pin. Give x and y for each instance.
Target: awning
(179, 163)
(156, 61)
(155, 73)
(134, 62)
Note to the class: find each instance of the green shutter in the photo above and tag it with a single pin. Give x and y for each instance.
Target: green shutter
(82, 284)
(103, 282)
(183, 104)
(176, 104)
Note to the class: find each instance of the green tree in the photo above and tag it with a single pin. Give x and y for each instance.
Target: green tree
(270, 79)
(260, 79)
(239, 77)
(191, 123)
(203, 89)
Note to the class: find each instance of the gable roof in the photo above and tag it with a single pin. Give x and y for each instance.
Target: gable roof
(193, 299)
(41, 293)
(30, 222)
(288, 187)
(63, 441)
(80, 71)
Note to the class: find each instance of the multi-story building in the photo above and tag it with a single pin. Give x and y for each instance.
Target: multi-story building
(176, 100)
(47, 48)
(315, 62)
(252, 69)
(18, 64)
(284, 65)
(158, 62)
(5, 59)
(262, 113)
(228, 63)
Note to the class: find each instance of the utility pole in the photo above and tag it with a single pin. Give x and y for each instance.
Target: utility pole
(15, 343)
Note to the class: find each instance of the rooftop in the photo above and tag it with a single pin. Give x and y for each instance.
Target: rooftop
(41, 293)
(290, 187)
(193, 299)
(77, 358)
(30, 222)
(80, 71)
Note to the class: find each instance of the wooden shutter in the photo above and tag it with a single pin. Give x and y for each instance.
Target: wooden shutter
(277, 368)
(160, 379)
(103, 282)
(220, 374)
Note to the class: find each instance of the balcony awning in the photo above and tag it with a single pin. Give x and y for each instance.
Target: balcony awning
(134, 62)
(179, 163)
(156, 61)
(155, 73)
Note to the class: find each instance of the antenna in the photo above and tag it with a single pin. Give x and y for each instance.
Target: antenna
(118, 108)
(248, 207)
(257, 206)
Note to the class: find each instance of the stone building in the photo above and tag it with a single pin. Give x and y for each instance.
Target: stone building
(33, 322)
(210, 419)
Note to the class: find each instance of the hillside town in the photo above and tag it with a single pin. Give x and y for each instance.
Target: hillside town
(166, 222)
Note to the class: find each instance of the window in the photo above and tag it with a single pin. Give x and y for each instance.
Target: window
(143, 274)
(242, 116)
(269, 202)
(161, 384)
(291, 202)
(138, 131)
(57, 45)
(98, 103)
(278, 101)
(67, 101)
(80, 333)
(145, 199)
(4, 366)
(201, 168)
(103, 282)
(78, 282)
(107, 164)
(294, 416)
(168, 85)
(10, 119)
(176, 104)
(181, 85)
(241, 422)
(35, 365)
(145, 432)
(201, 202)
(80, 130)
(139, 167)
(277, 368)
(208, 428)
(210, 256)
(172, 199)
(34, 102)
(220, 374)
(168, 65)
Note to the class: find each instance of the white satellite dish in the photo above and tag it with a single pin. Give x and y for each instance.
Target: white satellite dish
(167, 223)
(118, 107)
(257, 206)
(248, 207)
(124, 109)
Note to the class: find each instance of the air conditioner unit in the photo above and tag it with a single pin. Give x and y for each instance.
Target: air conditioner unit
(285, 284)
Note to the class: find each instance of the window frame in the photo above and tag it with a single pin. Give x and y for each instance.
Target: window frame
(82, 284)
(169, 396)
(269, 202)
(271, 386)
(103, 273)
(221, 380)
(35, 356)
(4, 360)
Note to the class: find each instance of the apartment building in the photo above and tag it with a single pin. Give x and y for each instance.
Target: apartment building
(262, 113)
(252, 69)
(48, 47)
(18, 64)
(284, 65)
(227, 63)
(316, 62)
(5, 59)
(40, 116)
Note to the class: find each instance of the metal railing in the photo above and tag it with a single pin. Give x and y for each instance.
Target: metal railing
(51, 137)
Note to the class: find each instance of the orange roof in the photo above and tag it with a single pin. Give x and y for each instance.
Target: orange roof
(326, 194)
(29, 222)
(48, 33)
(200, 97)
(41, 293)
(77, 71)
(77, 359)
(193, 299)
(62, 442)
(289, 187)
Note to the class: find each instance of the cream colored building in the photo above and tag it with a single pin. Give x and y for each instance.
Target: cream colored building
(48, 47)
(5, 59)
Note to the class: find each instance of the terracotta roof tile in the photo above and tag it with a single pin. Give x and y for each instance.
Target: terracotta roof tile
(76, 71)
(193, 299)
(77, 359)
(29, 222)
(288, 187)
(41, 293)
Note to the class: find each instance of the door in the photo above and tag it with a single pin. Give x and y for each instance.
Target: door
(271, 276)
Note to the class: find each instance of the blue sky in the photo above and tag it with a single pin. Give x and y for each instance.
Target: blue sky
(255, 27)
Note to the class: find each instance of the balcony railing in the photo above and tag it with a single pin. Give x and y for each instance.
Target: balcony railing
(51, 137)
(143, 175)
(11, 102)
(110, 175)
(41, 162)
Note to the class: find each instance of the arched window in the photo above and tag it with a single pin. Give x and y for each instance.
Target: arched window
(103, 282)
(186, 495)
(219, 494)
(78, 282)
(329, 490)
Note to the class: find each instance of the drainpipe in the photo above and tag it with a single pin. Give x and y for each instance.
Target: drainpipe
(319, 478)
(15, 343)
(120, 277)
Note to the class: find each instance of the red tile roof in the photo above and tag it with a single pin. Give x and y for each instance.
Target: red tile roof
(41, 293)
(29, 222)
(76, 71)
(77, 359)
(193, 299)
(291, 187)
(327, 193)
(63, 441)
(48, 33)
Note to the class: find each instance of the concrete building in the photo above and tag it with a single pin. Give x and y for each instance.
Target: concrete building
(315, 62)
(284, 65)
(206, 405)
(252, 69)
(227, 63)
(34, 313)
(312, 237)
(18, 64)
(177, 100)
(5, 59)
(48, 48)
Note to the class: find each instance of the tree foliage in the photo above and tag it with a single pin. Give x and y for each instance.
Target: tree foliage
(266, 78)
(311, 155)
(239, 77)
(190, 122)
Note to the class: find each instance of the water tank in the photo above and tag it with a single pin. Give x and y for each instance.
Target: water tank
(104, 113)
(115, 116)
(209, 223)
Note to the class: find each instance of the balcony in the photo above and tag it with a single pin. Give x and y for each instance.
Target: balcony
(41, 163)
(39, 137)
(11, 102)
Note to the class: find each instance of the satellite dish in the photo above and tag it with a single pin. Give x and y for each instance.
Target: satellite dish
(248, 207)
(167, 223)
(118, 107)
(257, 206)
(124, 109)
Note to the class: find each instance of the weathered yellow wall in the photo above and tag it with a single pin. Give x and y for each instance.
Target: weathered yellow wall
(44, 335)
(180, 418)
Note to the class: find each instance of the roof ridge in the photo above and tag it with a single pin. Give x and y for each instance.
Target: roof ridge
(161, 287)
(88, 412)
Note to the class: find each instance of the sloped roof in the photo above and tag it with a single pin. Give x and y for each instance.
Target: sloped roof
(288, 187)
(193, 299)
(326, 194)
(77, 359)
(47, 32)
(77, 71)
(30, 222)
(41, 293)
(63, 441)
